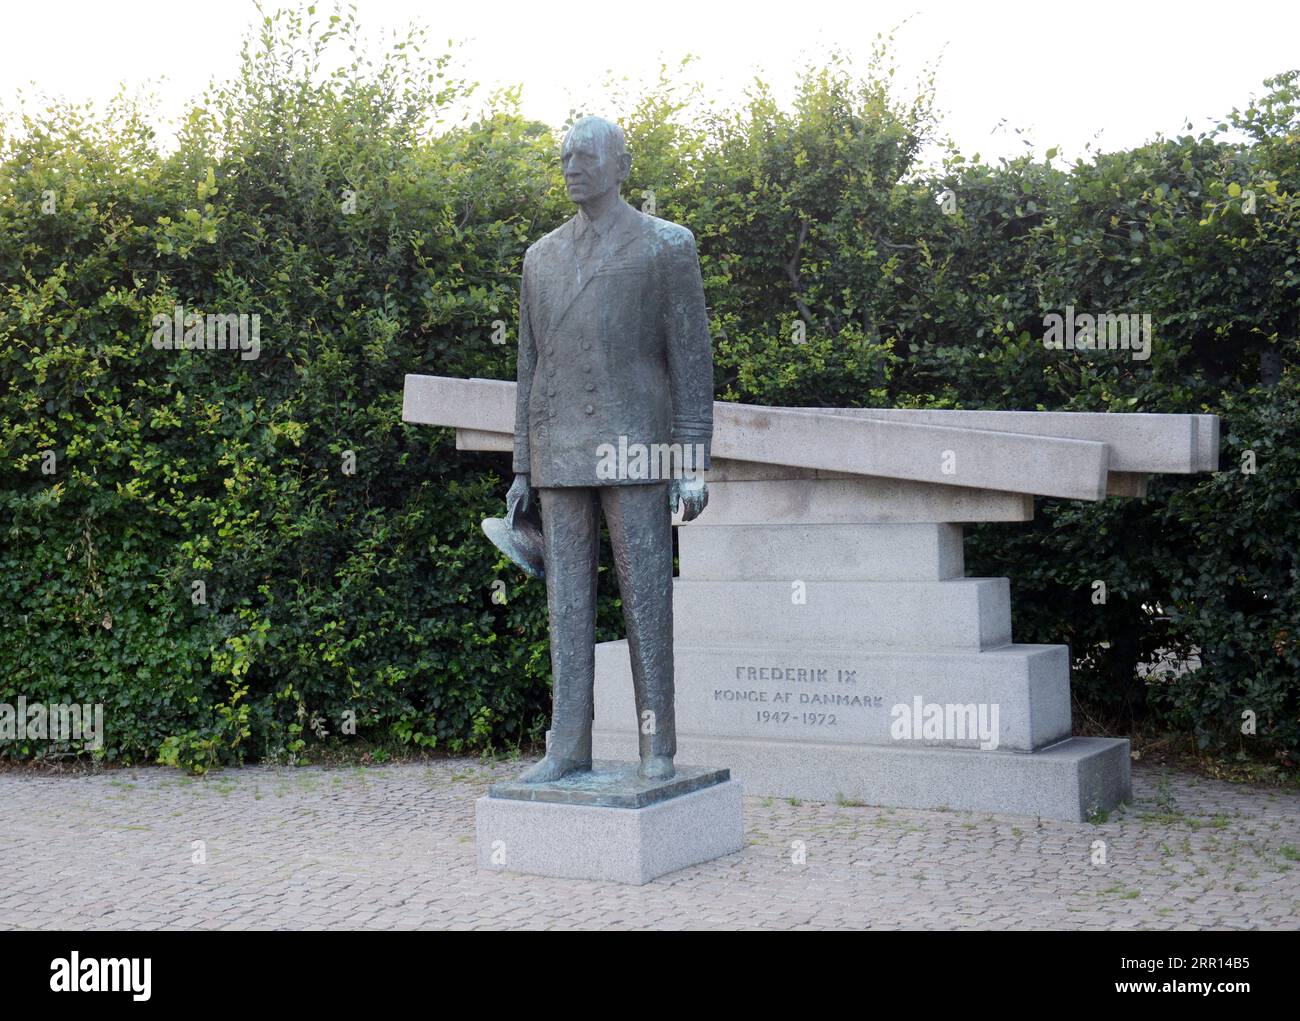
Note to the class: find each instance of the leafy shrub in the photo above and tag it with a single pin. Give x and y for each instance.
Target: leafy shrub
(344, 576)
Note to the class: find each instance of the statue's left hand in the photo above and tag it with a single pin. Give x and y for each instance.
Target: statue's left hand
(691, 494)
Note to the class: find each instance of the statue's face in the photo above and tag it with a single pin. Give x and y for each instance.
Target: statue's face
(590, 166)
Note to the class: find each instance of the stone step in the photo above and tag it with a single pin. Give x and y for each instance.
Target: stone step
(890, 551)
(961, 613)
(808, 693)
(1073, 779)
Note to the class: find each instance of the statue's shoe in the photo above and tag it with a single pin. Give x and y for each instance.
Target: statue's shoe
(552, 768)
(657, 767)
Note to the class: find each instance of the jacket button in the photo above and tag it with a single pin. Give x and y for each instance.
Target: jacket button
(589, 410)
(586, 368)
(550, 393)
(591, 387)
(586, 345)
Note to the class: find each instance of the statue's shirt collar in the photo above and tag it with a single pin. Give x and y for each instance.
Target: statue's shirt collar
(602, 224)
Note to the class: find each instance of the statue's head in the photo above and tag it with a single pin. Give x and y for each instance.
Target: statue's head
(594, 159)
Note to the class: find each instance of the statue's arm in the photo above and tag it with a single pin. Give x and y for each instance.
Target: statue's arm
(526, 368)
(690, 354)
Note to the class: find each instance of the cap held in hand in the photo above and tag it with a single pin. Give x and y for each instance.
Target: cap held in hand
(519, 536)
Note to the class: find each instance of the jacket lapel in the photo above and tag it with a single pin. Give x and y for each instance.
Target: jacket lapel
(558, 280)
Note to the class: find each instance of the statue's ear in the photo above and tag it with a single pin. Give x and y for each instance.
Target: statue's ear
(624, 165)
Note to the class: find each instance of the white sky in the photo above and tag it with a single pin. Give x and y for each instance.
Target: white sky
(1066, 74)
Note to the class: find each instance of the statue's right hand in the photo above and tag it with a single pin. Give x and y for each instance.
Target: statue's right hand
(520, 496)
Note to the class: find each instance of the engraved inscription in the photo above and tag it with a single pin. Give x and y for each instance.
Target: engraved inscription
(794, 696)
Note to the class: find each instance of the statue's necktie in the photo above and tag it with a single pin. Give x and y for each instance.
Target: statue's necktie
(587, 250)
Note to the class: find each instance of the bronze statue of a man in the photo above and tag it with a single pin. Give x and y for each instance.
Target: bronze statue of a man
(614, 356)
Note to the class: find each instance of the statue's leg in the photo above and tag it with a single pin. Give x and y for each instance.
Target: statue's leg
(641, 533)
(570, 539)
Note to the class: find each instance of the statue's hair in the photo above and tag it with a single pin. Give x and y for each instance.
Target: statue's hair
(608, 135)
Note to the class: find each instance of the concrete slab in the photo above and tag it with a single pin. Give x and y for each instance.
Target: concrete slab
(1074, 780)
(1138, 442)
(831, 501)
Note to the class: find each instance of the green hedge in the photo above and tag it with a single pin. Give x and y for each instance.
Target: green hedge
(375, 237)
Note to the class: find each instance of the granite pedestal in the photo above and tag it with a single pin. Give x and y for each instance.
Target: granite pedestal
(610, 824)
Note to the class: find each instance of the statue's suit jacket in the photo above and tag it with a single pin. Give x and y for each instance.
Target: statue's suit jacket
(613, 345)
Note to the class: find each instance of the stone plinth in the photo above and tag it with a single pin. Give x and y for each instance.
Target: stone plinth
(609, 824)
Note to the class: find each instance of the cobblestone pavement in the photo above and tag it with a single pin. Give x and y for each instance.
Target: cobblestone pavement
(393, 847)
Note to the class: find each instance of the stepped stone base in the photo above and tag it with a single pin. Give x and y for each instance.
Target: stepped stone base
(1072, 780)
